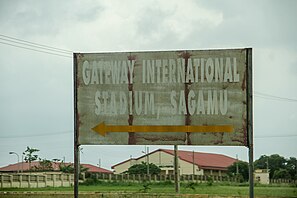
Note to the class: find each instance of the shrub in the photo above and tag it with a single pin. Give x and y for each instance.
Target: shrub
(209, 181)
(146, 188)
(190, 185)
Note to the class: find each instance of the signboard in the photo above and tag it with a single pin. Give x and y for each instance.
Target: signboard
(192, 97)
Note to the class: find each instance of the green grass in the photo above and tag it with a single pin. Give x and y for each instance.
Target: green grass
(214, 189)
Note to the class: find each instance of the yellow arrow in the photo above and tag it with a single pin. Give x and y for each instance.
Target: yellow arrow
(102, 129)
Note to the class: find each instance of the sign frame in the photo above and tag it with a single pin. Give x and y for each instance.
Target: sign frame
(249, 119)
(92, 109)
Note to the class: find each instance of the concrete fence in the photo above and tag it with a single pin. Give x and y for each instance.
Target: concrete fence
(162, 178)
(282, 181)
(36, 180)
(183, 178)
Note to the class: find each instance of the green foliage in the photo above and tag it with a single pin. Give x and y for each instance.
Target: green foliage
(261, 163)
(142, 169)
(91, 181)
(279, 167)
(209, 181)
(291, 167)
(44, 165)
(167, 182)
(145, 188)
(243, 171)
(275, 162)
(66, 168)
(240, 178)
(70, 168)
(281, 174)
(119, 188)
(30, 156)
(190, 185)
(56, 160)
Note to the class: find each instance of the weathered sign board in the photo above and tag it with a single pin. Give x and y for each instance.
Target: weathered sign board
(190, 97)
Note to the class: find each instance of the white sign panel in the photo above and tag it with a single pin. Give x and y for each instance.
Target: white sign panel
(192, 97)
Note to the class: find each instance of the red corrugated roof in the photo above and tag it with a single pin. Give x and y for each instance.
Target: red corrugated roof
(95, 169)
(202, 160)
(205, 160)
(19, 166)
(56, 166)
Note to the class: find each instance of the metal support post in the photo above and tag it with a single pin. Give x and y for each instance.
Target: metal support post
(176, 170)
(250, 120)
(76, 145)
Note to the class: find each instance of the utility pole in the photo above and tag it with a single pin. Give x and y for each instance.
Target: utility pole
(176, 170)
(14, 153)
(22, 163)
(237, 170)
(148, 161)
(267, 165)
(193, 164)
(146, 152)
(99, 163)
(130, 160)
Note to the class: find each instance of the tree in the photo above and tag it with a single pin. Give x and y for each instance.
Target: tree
(142, 169)
(291, 167)
(243, 170)
(55, 160)
(275, 162)
(44, 165)
(281, 174)
(69, 168)
(261, 163)
(30, 156)
(66, 168)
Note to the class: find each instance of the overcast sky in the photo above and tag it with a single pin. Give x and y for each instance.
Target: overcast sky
(36, 89)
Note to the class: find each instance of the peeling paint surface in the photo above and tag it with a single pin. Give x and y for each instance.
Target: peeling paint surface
(161, 88)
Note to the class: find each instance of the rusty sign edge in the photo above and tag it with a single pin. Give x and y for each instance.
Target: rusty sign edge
(77, 55)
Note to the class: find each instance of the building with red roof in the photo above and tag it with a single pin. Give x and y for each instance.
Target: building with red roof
(189, 162)
(55, 166)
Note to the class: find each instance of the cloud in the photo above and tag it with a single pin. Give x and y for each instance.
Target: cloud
(134, 26)
(273, 70)
(36, 89)
(45, 19)
(175, 20)
(36, 92)
(257, 24)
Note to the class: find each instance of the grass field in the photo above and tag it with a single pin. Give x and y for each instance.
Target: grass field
(191, 188)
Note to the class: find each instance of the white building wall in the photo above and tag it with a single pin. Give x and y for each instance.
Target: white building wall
(261, 176)
(186, 168)
(124, 166)
(164, 161)
(159, 158)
